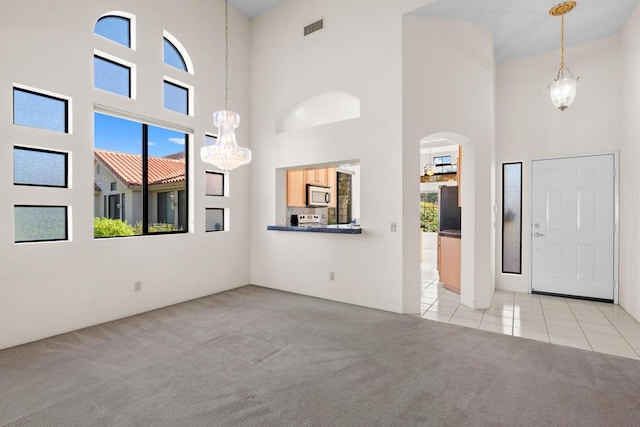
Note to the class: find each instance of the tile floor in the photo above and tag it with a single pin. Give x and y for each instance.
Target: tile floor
(600, 327)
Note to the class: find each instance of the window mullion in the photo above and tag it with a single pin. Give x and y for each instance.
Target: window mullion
(145, 180)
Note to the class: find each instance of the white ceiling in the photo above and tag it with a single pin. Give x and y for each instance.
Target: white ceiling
(253, 8)
(524, 27)
(520, 27)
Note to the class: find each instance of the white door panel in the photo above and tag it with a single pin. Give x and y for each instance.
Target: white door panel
(573, 226)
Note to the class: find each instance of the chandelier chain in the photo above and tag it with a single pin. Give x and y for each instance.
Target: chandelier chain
(226, 54)
(562, 44)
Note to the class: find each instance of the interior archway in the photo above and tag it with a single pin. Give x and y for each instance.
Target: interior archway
(467, 255)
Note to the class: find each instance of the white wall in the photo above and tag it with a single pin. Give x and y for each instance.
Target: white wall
(528, 126)
(448, 86)
(358, 52)
(629, 170)
(50, 288)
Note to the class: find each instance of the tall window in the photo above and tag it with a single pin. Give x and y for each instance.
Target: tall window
(512, 218)
(148, 164)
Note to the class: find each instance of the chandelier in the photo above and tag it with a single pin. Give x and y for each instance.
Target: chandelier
(563, 89)
(225, 153)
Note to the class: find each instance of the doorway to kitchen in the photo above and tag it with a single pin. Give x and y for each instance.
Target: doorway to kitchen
(439, 207)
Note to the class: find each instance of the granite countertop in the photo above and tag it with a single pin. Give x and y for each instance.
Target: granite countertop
(331, 229)
(456, 234)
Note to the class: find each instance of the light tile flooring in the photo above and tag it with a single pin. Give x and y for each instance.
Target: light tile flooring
(600, 327)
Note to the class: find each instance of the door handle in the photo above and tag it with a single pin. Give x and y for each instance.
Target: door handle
(536, 234)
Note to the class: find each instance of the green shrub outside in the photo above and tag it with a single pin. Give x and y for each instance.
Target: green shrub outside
(428, 217)
(105, 227)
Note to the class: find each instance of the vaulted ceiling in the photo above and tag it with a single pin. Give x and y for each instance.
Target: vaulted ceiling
(520, 27)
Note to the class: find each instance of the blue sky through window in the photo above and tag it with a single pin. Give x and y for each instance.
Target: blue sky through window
(125, 136)
(115, 28)
(173, 57)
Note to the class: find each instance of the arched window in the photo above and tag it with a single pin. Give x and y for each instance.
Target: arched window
(117, 27)
(175, 54)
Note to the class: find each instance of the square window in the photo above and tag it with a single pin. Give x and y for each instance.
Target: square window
(176, 98)
(214, 184)
(45, 168)
(40, 111)
(111, 76)
(114, 186)
(214, 219)
(40, 223)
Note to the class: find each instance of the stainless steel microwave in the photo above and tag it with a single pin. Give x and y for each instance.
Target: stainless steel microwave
(318, 196)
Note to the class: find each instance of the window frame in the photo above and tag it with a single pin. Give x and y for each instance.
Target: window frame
(504, 165)
(65, 154)
(46, 94)
(222, 174)
(177, 83)
(144, 188)
(223, 220)
(121, 62)
(132, 27)
(66, 223)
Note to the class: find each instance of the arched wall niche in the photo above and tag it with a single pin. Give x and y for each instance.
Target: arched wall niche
(321, 109)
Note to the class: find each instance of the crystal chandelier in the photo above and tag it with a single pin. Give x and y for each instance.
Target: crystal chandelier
(225, 153)
(563, 88)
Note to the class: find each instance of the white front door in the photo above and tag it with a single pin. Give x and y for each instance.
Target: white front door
(572, 226)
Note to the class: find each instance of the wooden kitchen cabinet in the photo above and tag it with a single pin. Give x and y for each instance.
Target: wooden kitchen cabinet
(317, 177)
(449, 262)
(296, 188)
(297, 180)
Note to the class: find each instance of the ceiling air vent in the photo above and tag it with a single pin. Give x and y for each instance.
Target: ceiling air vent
(312, 28)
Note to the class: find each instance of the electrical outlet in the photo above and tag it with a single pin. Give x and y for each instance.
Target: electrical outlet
(137, 286)
(332, 276)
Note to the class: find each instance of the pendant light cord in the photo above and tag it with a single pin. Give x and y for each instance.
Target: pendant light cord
(226, 54)
(562, 44)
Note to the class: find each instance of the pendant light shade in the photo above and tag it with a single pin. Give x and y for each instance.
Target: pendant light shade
(563, 89)
(563, 92)
(225, 153)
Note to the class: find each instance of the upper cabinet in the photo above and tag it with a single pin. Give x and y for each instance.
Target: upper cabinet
(298, 179)
(296, 188)
(317, 177)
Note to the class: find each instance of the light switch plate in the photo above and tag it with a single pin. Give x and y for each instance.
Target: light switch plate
(394, 227)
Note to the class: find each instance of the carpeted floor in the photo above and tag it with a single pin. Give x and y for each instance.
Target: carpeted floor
(258, 357)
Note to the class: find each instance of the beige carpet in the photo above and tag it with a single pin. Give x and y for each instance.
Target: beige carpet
(258, 357)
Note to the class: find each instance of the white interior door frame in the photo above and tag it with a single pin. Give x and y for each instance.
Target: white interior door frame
(616, 212)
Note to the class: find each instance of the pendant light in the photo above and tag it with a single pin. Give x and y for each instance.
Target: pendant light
(429, 169)
(225, 153)
(563, 89)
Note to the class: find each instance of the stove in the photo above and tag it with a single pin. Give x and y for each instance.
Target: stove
(308, 220)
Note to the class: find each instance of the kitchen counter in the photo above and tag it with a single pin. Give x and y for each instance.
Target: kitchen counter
(456, 234)
(331, 229)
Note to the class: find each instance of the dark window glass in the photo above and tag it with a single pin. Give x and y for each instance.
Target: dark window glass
(214, 184)
(176, 98)
(40, 111)
(39, 167)
(150, 163)
(173, 57)
(115, 28)
(512, 218)
(215, 219)
(111, 76)
(40, 223)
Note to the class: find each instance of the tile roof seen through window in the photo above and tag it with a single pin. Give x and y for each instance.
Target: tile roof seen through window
(128, 168)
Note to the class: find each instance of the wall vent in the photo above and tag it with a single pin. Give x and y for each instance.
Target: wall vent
(312, 28)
